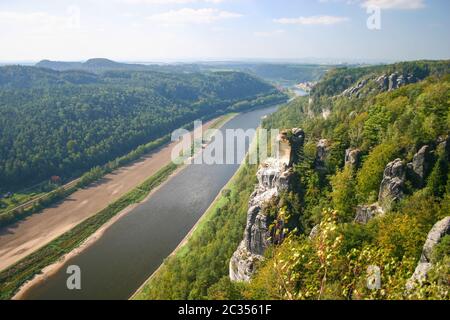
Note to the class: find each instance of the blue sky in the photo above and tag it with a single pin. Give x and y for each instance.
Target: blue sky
(160, 30)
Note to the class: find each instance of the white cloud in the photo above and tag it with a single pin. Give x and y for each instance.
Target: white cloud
(395, 4)
(383, 4)
(163, 2)
(192, 16)
(38, 22)
(269, 33)
(313, 20)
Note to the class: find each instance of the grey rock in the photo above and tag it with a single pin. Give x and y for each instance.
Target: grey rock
(365, 213)
(393, 82)
(352, 157)
(383, 82)
(421, 164)
(273, 176)
(257, 233)
(322, 150)
(391, 188)
(298, 133)
(289, 140)
(439, 230)
(419, 276)
(314, 231)
(242, 264)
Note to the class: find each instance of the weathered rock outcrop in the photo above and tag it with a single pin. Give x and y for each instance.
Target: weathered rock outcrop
(352, 157)
(366, 213)
(314, 231)
(391, 188)
(355, 90)
(322, 150)
(385, 82)
(395, 81)
(394, 178)
(420, 166)
(439, 230)
(273, 177)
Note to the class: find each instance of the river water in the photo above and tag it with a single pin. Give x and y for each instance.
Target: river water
(134, 247)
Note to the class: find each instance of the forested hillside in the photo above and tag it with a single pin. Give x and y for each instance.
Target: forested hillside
(286, 73)
(63, 123)
(370, 182)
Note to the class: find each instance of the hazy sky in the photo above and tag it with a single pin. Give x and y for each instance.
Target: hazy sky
(150, 30)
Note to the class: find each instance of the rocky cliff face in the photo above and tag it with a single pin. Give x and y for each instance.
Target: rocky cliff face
(323, 147)
(391, 189)
(384, 82)
(420, 167)
(273, 177)
(352, 157)
(395, 176)
(366, 213)
(439, 230)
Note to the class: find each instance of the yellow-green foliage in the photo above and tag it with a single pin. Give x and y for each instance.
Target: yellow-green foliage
(303, 268)
(371, 173)
(343, 193)
(334, 265)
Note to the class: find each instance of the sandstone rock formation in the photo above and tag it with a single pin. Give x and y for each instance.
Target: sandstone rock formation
(439, 230)
(421, 165)
(323, 147)
(352, 157)
(355, 90)
(314, 231)
(395, 81)
(366, 213)
(391, 188)
(273, 177)
(385, 82)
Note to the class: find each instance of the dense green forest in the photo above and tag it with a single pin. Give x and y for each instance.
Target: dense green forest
(333, 264)
(383, 126)
(62, 123)
(288, 73)
(279, 72)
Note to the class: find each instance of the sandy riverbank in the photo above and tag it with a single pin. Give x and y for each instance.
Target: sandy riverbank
(26, 236)
(53, 268)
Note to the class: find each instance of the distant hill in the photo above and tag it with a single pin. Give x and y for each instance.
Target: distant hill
(20, 77)
(361, 81)
(286, 74)
(67, 122)
(91, 65)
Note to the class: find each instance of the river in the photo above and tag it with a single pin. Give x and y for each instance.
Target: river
(132, 248)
